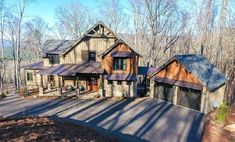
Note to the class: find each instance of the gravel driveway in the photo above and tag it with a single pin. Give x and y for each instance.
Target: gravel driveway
(130, 120)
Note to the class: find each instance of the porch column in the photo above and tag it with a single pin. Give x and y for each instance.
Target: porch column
(204, 101)
(175, 95)
(101, 87)
(77, 82)
(49, 83)
(59, 89)
(25, 78)
(41, 89)
(152, 88)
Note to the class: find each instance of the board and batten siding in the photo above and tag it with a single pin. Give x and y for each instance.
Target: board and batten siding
(132, 63)
(80, 52)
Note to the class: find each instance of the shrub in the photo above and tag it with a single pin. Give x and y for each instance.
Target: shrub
(6, 92)
(25, 92)
(222, 112)
(2, 95)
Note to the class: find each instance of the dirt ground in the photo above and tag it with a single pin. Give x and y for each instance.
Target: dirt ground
(214, 131)
(46, 129)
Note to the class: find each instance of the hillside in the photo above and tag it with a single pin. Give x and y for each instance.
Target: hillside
(26, 54)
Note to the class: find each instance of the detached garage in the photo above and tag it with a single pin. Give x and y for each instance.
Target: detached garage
(190, 81)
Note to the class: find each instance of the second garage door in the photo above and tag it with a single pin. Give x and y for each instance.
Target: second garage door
(164, 92)
(189, 98)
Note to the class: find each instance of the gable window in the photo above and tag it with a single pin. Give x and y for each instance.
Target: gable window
(110, 82)
(54, 59)
(92, 56)
(29, 76)
(119, 64)
(128, 83)
(119, 82)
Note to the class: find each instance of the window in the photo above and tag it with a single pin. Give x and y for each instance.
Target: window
(29, 76)
(50, 78)
(54, 59)
(92, 56)
(110, 82)
(119, 82)
(128, 83)
(119, 64)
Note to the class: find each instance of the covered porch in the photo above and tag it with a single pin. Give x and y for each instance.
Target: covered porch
(65, 79)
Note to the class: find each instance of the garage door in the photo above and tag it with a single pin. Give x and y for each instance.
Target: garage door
(189, 98)
(164, 92)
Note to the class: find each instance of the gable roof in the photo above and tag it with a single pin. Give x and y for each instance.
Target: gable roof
(64, 46)
(88, 31)
(119, 41)
(57, 46)
(206, 72)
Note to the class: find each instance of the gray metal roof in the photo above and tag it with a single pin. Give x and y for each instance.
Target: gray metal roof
(206, 72)
(83, 67)
(34, 66)
(57, 46)
(146, 70)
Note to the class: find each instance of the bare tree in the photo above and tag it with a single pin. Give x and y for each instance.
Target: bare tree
(2, 30)
(164, 28)
(36, 32)
(219, 52)
(113, 14)
(73, 19)
(11, 33)
(140, 28)
(207, 21)
(22, 4)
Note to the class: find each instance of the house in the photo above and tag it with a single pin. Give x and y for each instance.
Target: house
(98, 61)
(120, 63)
(190, 81)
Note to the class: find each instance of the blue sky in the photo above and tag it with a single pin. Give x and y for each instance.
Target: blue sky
(46, 8)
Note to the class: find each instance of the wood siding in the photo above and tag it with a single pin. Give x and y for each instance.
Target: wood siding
(176, 71)
(80, 52)
(132, 63)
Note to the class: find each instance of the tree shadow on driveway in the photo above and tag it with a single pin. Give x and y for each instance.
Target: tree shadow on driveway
(128, 119)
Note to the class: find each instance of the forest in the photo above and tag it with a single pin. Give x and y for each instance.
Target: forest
(158, 29)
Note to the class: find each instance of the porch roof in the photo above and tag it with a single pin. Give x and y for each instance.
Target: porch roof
(71, 69)
(121, 77)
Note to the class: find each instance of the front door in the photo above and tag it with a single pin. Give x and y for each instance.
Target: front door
(51, 80)
(93, 84)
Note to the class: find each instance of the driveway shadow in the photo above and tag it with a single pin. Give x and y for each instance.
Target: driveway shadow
(148, 119)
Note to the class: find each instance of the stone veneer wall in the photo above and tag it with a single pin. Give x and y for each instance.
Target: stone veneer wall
(120, 90)
(35, 83)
